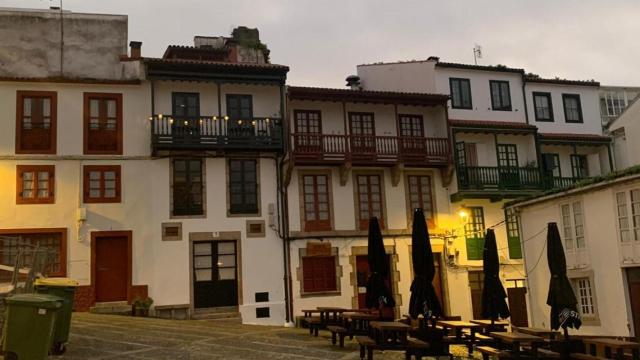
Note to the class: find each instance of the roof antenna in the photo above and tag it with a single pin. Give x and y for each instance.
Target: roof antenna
(477, 52)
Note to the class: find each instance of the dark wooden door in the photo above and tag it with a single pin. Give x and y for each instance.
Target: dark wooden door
(412, 141)
(186, 114)
(362, 274)
(240, 112)
(363, 134)
(508, 166)
(215, 274)
(111, 257)
(308, 131)
(518, 306)
(633, 279)
(476, 284)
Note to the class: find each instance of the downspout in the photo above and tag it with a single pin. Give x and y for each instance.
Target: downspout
(524, 96)
(516, 211)
(611, 165)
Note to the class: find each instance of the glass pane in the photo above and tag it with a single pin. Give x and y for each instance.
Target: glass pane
(202, 262)
(26, 106)
(109, 193)
(202, 249)
(226, 248)
(94, 108)
(227, 274)
(94, 175)
(109, 175)
(203, 275)
(111, 108)
(226, 260)
(46, 107)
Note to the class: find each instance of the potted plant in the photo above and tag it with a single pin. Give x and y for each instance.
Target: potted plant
(140, 306)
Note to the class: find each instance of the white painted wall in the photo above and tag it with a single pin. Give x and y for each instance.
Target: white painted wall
(597, 158)
(590, 109)
(412, 76)
(626, 144)
(487, 152)
(602, 257)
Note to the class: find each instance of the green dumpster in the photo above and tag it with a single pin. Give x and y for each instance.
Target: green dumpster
(65, 289)
(29, 325)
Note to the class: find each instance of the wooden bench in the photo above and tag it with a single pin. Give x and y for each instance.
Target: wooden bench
(414, 347)
(314, 324)
(488, 351)
(580, 356)
(337, 332)
(547, 354)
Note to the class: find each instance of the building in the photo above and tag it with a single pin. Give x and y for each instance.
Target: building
(614, 99)
(357, 154)
(146, 176)
(624, 129)
(514, 135)
(598, 223)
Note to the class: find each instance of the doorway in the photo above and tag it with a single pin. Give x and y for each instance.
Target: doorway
(633, 281)
(111, 258)
(518, 306)
(362, 275)
(476, 284)
(215, 275)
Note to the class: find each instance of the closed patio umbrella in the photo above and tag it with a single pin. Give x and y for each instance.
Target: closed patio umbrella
(561, 298)
(494, 305)
(423, 295)
(378, 294)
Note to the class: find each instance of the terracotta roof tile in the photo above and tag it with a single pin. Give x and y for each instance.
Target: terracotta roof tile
(535, 79)
(573, 137)
(214, 63)
(491, 124)
(366, 96)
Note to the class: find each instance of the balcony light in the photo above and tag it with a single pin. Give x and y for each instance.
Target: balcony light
(186, 123)
(170, 121)
(463, 214)
(215, 118)
(239, 122)
(226, 118)
(160, 116)
(266, 120)
(150, 118)
(201, 121)
(253, 123)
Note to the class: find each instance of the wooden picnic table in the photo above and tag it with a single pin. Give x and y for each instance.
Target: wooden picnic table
(517, 339)
(330, 314)
(545, 333)
(489, 326)
(614, 348)
(357, 323)
(389, 333)
(458, 326)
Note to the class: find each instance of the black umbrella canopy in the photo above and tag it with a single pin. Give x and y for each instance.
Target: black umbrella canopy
(494, 305)
(378, 294)
(423, 295)
(561, 298)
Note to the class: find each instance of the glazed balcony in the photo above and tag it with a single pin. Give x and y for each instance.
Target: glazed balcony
(370, 150)
(213, 133)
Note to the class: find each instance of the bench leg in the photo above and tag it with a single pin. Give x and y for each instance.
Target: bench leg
(407, 355)
(342, 340)
(316, 329)
(361, 352)
(333, 338)
(369, 353)
(310, 329)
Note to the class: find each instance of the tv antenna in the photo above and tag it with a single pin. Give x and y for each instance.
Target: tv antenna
(477, 53)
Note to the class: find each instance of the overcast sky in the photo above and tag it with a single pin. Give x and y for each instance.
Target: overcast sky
(323, 40)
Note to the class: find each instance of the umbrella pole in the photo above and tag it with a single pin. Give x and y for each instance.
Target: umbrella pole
(566, 348)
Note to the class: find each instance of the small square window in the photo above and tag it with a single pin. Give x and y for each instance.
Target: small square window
(102, 184)
(172, 231)
(255, 228)
(35, 184)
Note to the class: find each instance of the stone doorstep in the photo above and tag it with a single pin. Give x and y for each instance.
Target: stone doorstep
(225, 312)
(114, 308)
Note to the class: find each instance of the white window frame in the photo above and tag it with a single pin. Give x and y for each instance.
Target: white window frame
(575, 208)
(586, 296)
(631, 227)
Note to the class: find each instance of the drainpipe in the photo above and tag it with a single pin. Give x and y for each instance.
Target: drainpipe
(524, 96)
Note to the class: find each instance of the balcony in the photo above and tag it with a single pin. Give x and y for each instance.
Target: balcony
(557, 182)
(499, 179)
(213, 133)
(370, 150)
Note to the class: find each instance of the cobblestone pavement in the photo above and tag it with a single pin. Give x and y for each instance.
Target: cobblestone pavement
(122, 338)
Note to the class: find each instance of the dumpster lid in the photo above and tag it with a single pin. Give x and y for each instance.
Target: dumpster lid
(36, 300)
(56, 281)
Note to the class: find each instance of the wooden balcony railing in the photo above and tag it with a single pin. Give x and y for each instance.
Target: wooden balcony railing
(210, 133)
(498, 178)
(557, 182)
(370, 149)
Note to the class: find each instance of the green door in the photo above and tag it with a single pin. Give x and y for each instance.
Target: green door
(508, 166)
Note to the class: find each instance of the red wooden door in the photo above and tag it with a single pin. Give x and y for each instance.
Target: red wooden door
(633, 279)
(518, 306)
(363, 135)
(111, 268)
(362, 274)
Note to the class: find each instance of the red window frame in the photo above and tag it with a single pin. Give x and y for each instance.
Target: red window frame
(366, 192)
(418, 198)
(104, 141)
(61, 262)
(319, 274)
(313, 189)
(35, 169)
(102, 169)
(28, 140)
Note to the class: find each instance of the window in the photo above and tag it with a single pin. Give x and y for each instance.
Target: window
(421, 196)
(474, 233)
(500, 95)
(187, 187)
(572, 108)
(319, 274)
(35, 184)
(36, 113)
(243, 186)
(628, 212)
(543, 106)
(573, 226)
(239, 107)
(185, 105)
(460, 93)
(467, 154)
(308, 136)
(102, 123)
(369, 197)
(551, 164)
(513, 234)
(172, 231)
(102, 184)
(315, 190)
(411, 126)
(579, 166)
(53, 242)
(363, 132)
(585, 294)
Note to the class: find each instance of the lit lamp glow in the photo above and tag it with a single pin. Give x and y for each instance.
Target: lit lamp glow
(160, 116)
(170, 121)
(226, 118)
(463, 214)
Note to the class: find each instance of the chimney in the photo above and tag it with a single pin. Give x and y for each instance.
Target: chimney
(433, 58)
(353, 81)
(136, 47)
